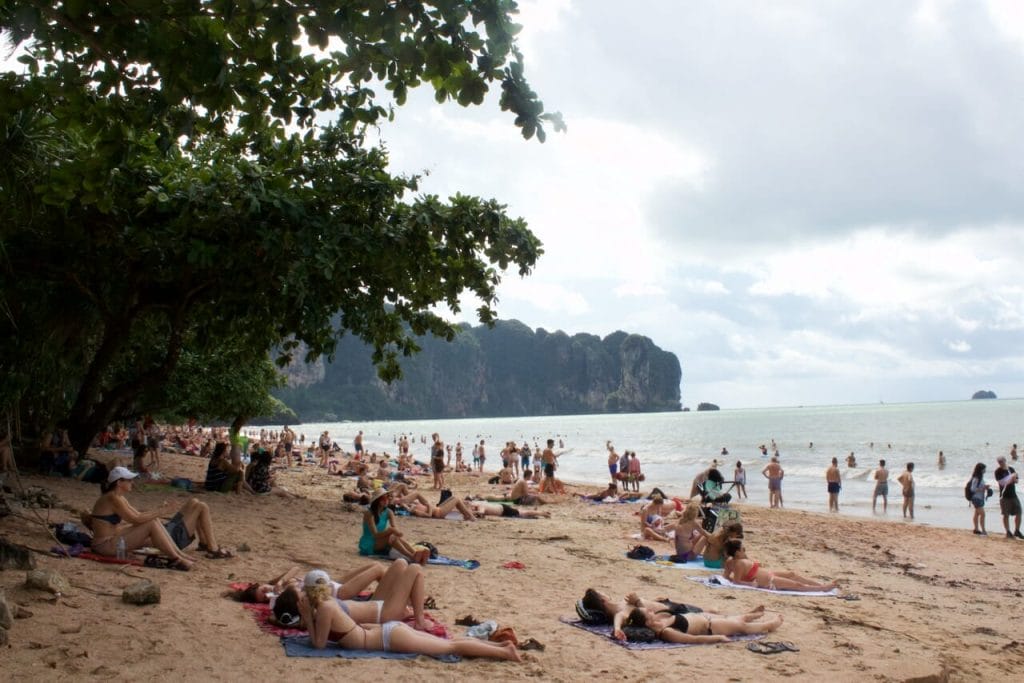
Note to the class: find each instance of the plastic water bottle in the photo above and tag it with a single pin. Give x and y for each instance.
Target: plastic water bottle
(122, 549)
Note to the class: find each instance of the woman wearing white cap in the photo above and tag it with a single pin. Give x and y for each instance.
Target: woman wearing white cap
(401, 587)
(113, 517)
(326, 620)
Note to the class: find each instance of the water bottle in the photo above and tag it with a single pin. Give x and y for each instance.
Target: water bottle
(122, 549)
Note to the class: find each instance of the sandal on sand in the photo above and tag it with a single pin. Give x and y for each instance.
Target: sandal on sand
(531, 644)
(848, 596)
(430, 603)
(771, 648)
(468, 620)
(219, 554)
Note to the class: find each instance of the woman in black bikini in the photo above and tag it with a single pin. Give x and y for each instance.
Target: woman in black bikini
(697, 628)
(144, 528)
(328, 621)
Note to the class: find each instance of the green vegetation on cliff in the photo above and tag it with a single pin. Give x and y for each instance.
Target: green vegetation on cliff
(507, 370)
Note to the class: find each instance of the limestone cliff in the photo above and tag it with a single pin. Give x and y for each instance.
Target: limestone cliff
(507, 370)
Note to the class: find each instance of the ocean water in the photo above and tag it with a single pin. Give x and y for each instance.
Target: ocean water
(674, 447)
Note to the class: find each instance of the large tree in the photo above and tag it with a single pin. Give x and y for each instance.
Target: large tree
(167, 190)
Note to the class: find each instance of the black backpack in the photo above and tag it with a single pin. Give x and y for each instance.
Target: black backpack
(640, 552)
(968, 494)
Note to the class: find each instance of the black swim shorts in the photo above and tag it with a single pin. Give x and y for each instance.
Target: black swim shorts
(508, 510)
(179, 532)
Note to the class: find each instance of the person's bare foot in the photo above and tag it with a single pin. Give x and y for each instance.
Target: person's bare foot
(511, 651)
(758, 609)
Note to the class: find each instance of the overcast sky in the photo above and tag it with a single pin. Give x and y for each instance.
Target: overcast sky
(813, 202)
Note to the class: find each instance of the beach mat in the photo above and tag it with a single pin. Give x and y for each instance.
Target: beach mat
(719, 581)
(605, 631)
(439, 560)
(664, 561)
(299, 646)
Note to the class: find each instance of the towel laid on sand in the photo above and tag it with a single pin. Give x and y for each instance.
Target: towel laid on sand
(299, 646)
(664, 561)
(605, 631)
(719, 581)
(440, 559)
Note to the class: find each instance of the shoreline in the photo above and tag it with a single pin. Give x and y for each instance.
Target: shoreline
(913, 619)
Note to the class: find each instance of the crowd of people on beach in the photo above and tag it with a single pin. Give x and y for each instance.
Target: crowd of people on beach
(702, 528)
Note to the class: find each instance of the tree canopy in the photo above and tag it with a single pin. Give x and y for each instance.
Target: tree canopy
(171, 197)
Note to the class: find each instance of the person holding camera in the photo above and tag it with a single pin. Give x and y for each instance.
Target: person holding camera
(979, 492)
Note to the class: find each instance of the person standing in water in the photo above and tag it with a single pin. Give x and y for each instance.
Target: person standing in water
(881, 487)
(834, 483)
(773, 473)
(906, 480)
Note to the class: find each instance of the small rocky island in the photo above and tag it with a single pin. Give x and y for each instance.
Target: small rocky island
(984, 394)
(706, 406)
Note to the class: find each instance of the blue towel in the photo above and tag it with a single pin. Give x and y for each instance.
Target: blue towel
(299, 646)
(451, 562)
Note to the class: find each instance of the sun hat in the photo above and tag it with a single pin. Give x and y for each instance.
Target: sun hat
(120, 473)
(316, 576)
(377, 494)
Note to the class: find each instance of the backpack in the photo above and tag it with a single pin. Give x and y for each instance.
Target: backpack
(968, 493)
(640, 552)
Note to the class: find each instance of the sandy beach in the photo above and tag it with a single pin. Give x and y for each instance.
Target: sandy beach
(935, 604)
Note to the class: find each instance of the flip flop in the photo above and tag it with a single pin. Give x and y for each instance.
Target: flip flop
(468, 620)
(219, 554)
(430, 603)
(849, 596)
(531, 644)
(771, 648)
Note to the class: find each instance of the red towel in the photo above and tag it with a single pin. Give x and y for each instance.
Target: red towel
(514, 564)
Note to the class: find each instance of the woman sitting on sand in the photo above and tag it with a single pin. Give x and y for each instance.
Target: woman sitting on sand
(144, 528)
(381, 535)
(611, 491)
(328, 621)
(696, 628)
(258, 477)
(352, 583)
(744, 571)
(401, 585)
(652, 520)
(690, 535)
(714, 545)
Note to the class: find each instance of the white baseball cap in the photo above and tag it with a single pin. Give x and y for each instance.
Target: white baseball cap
(120, 473)
(316, 576)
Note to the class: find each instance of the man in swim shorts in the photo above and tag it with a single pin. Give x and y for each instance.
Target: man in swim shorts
(773, 473)
(881, 487)
(833, 481)
(906, 480)
(1009, 503)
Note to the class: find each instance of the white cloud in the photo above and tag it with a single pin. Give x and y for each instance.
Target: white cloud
(959, 346)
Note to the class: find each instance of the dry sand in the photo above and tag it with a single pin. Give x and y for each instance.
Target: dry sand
(936, 604)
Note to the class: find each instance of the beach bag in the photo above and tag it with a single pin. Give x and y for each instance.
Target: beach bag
(967, 490)
(640, 552)
(588, 616)
(68, 533)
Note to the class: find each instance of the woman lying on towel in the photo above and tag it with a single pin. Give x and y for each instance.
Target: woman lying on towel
(419, 506)
(696, 628)
(328, 620)
(399, 588)
(351, 584)
(598, 607)
(742, 570)
(482, 508)
(113, 517)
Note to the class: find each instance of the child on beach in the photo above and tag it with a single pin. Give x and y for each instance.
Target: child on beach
(739, 478)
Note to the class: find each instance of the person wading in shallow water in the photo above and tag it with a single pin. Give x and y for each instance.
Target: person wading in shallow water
(834, 483)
